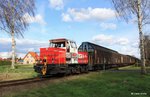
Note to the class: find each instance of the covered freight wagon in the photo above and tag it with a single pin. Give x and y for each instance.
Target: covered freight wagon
(103, 58)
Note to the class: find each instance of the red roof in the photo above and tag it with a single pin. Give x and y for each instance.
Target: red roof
(33, 54)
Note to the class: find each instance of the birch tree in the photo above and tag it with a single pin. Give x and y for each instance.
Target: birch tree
(12, 21)
(139, 10)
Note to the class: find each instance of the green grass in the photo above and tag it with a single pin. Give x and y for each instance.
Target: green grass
(133, 68)
(20, 72)
(97, 84)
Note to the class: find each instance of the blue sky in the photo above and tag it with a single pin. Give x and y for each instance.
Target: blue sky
(79, 20)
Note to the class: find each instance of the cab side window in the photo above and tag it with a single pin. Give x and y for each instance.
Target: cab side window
(68, 47)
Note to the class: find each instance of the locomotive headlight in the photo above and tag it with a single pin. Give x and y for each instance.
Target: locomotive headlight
(80, 56)
(40, 61)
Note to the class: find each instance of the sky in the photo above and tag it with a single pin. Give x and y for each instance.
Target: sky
(79, 20)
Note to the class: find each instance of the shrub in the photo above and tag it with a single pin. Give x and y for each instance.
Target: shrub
(5, 62)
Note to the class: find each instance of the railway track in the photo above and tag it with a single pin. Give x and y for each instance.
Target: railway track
(20, 82)
(28, 81)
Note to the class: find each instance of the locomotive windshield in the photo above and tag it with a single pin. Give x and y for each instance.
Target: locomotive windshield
(57, 44)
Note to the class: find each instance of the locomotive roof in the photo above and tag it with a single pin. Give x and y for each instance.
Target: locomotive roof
(95, 46)
(59, 40)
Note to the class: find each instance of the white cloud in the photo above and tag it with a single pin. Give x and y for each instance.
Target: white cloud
(5, 54)
(83, 14)
(22, 46)
(5, 40)
(128, 50)
(37, 19)
(22, 55)
(135, 44)
(106, 26)
(110, 40)
(57, 4)
(103, 38)
(31, 49)
(21, 41)
(121, 44)
(122, 41)
(66, 17)
(8, 55)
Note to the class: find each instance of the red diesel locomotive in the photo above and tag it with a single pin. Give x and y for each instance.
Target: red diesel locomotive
(63, 57)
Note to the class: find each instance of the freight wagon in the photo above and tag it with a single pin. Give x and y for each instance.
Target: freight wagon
(100, 57)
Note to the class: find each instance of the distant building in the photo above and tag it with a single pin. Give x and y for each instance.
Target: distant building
(1, 59)
(19, 60)
(30, 58)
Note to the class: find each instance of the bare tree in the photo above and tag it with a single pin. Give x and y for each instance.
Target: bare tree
(147, 49)
(139, 10)
(12, 21)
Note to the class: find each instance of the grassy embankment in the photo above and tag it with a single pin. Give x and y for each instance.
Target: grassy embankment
(20, 72)
(97, 84)
(133, 68)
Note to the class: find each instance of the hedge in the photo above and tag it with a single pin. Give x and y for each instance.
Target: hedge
(4, 62)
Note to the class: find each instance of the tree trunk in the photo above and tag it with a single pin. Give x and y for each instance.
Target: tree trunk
(13, 50)
(143, 70)
(13, 40)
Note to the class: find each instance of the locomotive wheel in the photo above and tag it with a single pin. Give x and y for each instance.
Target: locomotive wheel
(44, 69)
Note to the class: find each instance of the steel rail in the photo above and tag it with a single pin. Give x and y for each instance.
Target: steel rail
(20, 82)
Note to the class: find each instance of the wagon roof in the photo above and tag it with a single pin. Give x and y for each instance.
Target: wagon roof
(95, 46)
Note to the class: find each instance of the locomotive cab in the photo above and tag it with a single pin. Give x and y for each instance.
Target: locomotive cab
(70, 47)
